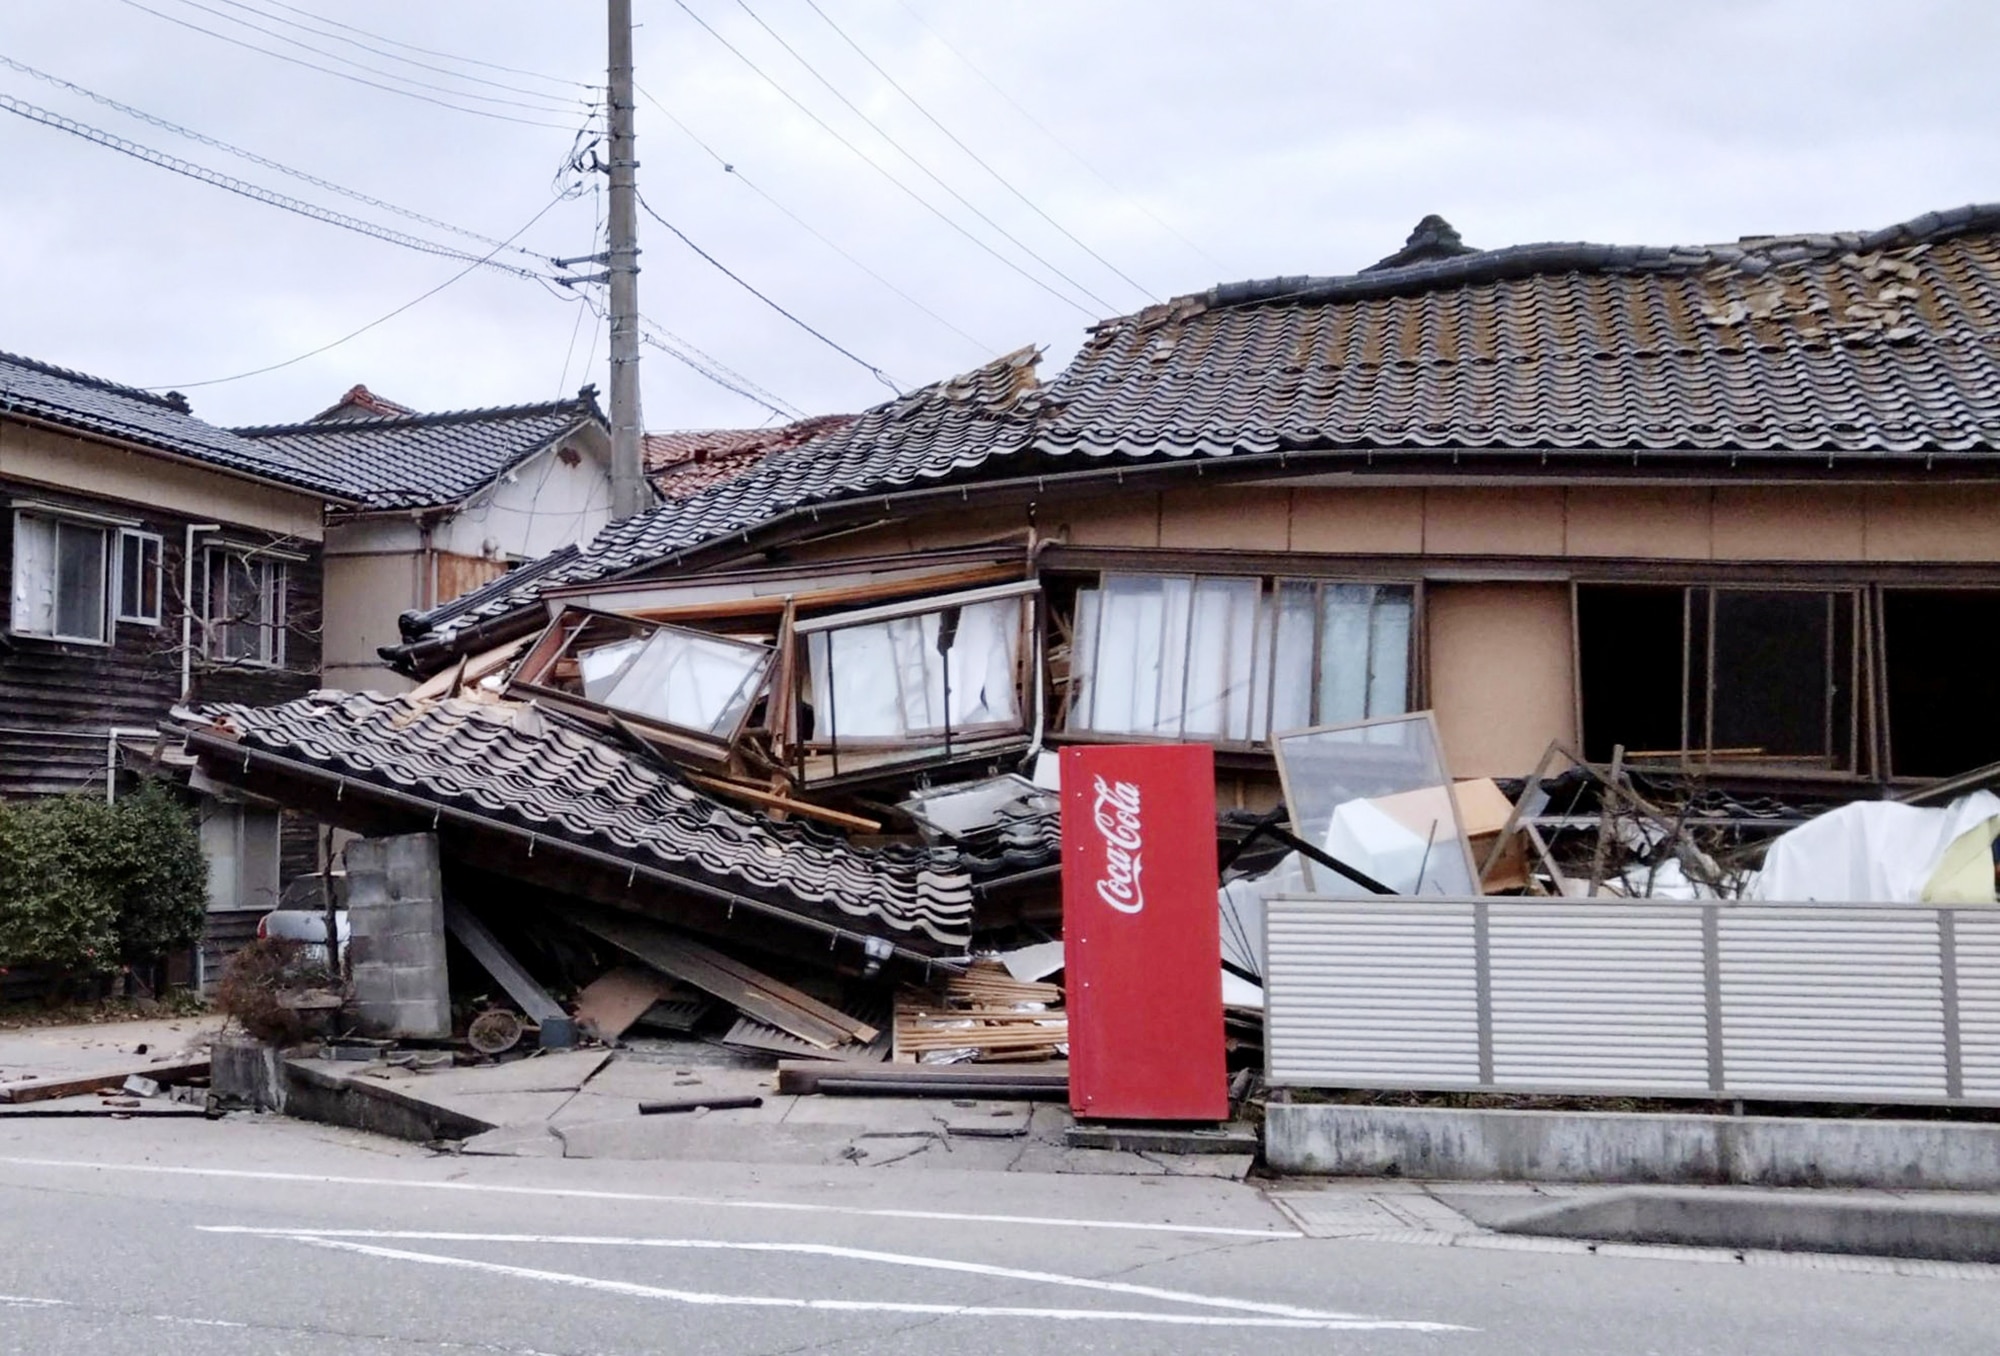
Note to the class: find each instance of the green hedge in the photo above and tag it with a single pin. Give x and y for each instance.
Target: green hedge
(86, 886)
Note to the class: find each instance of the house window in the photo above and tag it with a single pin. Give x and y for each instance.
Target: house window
(1937, 680)
(246, 607)
(61, 573)
(1234, 659)
(138, 577)
(939, 670)
(1723, 674)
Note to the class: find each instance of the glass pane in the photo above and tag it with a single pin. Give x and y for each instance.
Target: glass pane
(601, 665)
(1292, 660)
(1128, 689)
(691, 680)
(1082, 660)
(1222, 629)
(1389, 652)
(1347, 625)
(888, 680)
(79, 581)
(1377, 796)
(1771, 673)
(34, 602)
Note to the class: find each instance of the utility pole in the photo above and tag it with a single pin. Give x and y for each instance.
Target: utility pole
(628, 485)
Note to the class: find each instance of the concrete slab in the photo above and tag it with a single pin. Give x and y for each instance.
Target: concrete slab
(90, 1046)
(565, 1071)
(1235, 1138)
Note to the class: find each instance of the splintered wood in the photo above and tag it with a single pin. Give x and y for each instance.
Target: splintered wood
(984, 1014)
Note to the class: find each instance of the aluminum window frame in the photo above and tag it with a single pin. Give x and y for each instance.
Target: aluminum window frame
(274, 588)
(128, 537)
(59, 521)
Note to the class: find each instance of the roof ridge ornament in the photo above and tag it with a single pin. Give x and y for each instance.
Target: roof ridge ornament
(1432, 238)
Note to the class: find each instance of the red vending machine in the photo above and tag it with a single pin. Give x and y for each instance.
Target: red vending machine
(1141, 933)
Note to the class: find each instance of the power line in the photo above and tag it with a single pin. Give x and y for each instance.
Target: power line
(654, 335)
(379, 320)
(876, 165)
(544, 103)
(735, 172)
(910, 156)
(976, 158)
(251, 156)
(431, 51)
(343, 75)
(1064, 146)
(726, 272)
(255, 192)
(542, 95)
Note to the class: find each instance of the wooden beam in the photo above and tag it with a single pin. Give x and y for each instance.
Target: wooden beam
(771, 800)
(22, 1090)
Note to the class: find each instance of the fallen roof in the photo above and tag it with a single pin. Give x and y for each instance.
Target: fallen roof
(87, 404)
(399, 461)
(923, 436)
(682, 464)
(1872, 345)
(1877, 344)
(510, 767)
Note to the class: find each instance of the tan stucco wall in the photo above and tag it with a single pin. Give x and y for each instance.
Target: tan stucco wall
(1501, 681)
(364, 596)
(100, 470)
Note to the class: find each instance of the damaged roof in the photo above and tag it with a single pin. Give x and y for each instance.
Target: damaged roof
(926, 435)
(512, 766)
(1885, 342)
(400, 461)
(684, 463)
(92, 405)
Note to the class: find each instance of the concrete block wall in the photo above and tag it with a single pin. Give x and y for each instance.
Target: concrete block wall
(394, 897)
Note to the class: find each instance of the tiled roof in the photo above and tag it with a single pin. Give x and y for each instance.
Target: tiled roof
(511, 764)
(425, 460)
(1873, 344)
(360, 403)
(682, 464)
(925, 435)
(90, 404)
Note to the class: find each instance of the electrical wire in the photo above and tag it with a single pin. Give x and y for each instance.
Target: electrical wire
(544, 103)
(542, 95)
(343, 75)
(736, 172)
(431, 51)
(379, 320)
(1062, 145)
(251, 156)
(876, 165)
(976, 158)
(254, 192)
(736, 278)
(910, 156)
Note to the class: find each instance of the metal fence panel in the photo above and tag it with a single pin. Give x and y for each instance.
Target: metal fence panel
(1783, 1001)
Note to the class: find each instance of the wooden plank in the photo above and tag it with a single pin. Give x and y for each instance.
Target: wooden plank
(612, 1002)
(23, 1090)
(685, 961)
(770, 800)
(825, 1012)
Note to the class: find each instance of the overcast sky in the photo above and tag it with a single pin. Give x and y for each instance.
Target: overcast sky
(1176, 142)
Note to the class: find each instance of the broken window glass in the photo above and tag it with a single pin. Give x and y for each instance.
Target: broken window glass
(953, 669)
(683, 678)
(1230, 660)
(1377, 796)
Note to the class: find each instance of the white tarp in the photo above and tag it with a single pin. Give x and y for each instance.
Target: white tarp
(1871, 852)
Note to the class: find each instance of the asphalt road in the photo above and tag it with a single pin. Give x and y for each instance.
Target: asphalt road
(264, 1236)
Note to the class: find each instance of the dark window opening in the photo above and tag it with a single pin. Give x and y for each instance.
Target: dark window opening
(1939, 652)
(1630, 664)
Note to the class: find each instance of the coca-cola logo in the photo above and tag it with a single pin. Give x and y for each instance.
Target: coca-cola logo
(1116, 815)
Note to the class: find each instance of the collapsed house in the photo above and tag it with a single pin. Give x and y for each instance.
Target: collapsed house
(1723, 517)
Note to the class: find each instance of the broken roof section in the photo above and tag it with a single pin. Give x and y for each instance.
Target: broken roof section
(510, 770)
(682, 464)
(928, 435)
(406, 460)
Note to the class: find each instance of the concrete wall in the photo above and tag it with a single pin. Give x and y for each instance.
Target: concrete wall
(551, 500)
(365, 593)
(1501, 680)
(394, 895)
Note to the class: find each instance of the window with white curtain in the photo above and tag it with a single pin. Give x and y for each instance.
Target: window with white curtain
(913, 678)
(1232, 659)
(61, 579)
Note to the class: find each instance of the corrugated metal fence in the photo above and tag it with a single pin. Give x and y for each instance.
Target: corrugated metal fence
(1876, 1003)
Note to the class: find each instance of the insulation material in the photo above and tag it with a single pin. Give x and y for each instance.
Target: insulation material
(1886, 853)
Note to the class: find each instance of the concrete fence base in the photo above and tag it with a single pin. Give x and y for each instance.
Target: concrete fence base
(1558, 1146)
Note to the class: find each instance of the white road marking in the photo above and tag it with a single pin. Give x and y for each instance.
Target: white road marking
(696, 1297)
(810, 1249)
(576, 1193)
(29, 1302)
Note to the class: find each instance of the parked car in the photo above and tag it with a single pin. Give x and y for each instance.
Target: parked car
(307, 926)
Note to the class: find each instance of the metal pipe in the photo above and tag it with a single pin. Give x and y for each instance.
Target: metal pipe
(111, 738)
(187, 605)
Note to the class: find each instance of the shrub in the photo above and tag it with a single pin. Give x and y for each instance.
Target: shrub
(254, 982)
(86, 886)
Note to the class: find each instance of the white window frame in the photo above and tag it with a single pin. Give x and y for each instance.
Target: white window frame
(58, 522)
(271, 649)
(148, 613)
